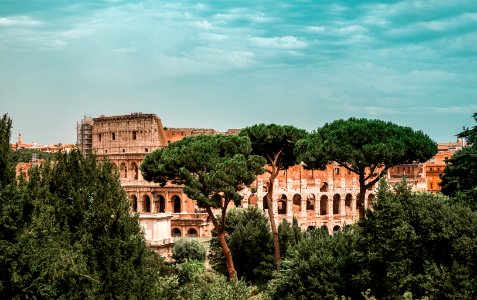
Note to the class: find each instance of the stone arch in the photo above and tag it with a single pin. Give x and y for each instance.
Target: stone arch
(282, 205)
(146, 203)
(324, 187)
(192, 232)
(336, 204)
(324, 205)
(265, 202)
(336, 229)
(123, 170)
(160, 204)
(176, 201)
(348, 202)
(324, 229)
(370, 199)
(134, 171)
(310, 202)
(296, 203)
(253, 200)
(133, 199)
(176, 232)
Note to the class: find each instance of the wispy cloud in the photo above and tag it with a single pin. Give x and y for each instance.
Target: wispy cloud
(282, 42)
(19, 21)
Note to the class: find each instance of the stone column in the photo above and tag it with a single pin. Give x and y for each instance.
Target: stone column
(330, 206)
(167, 203)
(343, 205)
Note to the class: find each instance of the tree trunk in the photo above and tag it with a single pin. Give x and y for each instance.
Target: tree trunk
(273, 225)
(361, 197)
(228, 255)
(223, 244)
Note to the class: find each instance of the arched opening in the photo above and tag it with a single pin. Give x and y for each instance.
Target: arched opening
(324, 205)
(177, 203)
(324, 187)
(192, 232)
(348, 200)
(265, 202)
(253, 200)
(311, 228)
(310, 202)
(133, 203)
(370, 200)
(296, 203)
(336, 204)
(135, 171)
(282, 205)
(176, 232)
(160, 204)
(147, 203)
(123, 170)
(336, 229)
(324, 229)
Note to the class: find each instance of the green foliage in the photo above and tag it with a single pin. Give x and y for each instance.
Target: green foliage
(250, 242)
(289, 235)
(409, 245)
(207, 165)
(211, 286)
(460, 174)
(365, 147)
(188, 250)
(25, 155)
(69, 235)
(7, 174)
(318, 267)
(188, 271)
(470, 134)
(415, 242)
(272, 140)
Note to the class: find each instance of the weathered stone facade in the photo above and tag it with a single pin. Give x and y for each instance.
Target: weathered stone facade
(316, 198)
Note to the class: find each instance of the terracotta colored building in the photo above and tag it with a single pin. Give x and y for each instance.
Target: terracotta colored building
(317, 198)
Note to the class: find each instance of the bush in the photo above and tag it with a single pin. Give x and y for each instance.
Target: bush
(188, 250)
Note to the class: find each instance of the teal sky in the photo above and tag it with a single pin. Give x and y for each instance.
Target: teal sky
(236, 63)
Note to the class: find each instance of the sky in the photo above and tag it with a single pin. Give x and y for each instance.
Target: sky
(232, 64)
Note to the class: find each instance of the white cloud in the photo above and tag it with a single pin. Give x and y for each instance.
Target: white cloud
(19, 21)
(283, 42)
(204, 25)
(315, 28)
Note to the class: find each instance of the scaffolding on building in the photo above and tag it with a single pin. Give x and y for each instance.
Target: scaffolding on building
(84, 135)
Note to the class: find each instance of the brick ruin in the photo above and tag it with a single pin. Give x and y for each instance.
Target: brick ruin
(316, 198)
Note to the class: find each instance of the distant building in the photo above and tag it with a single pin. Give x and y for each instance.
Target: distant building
(426, 176)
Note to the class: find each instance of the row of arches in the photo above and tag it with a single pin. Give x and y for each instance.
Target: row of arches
(129, 171)
(146, 205)
(191, 232)
(311, 201)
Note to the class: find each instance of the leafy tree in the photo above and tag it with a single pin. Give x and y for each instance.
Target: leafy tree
(320, 266)
(416, 242)
(275, 143)
(290, 235)
(6, 172)
(213, 168)
(470, 134)
(25, 155)
(187, 250)
(73, 236)
(250, 242)
(460, 174)
(365, 147)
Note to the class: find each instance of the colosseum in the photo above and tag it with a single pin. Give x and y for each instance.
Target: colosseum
(317, 198)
